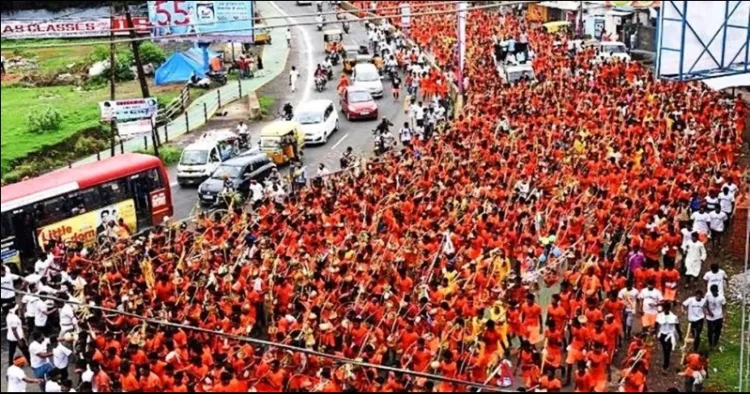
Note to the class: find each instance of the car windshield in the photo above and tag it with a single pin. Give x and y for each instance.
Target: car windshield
(359, 97)
(227, 172)
(310, 118)
(613, 49)
(515, 76)
(368, 76)
(194, 157)
(269, 143)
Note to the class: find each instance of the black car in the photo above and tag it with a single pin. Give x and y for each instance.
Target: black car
(240, 171)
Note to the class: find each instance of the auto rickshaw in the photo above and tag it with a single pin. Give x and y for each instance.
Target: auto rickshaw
(262, 34)
(333, 40)
(353, 55)
(558, 26)
(282, 141)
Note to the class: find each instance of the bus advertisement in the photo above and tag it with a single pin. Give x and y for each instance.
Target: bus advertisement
(119, 196)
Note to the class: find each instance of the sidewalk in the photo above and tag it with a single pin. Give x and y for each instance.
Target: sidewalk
(205, 107)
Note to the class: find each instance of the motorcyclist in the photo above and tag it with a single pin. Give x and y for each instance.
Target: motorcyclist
(319, 4)
(288, 111)
(384, 141)
(244, 134)
(328, 67)
(321, 20)
(384, 126)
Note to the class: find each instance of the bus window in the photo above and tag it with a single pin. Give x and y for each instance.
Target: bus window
(52, 210)
(6, 230)
(84, 201)
(114, 192)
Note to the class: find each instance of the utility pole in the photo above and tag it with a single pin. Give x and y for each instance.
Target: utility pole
(580, 21)
(112, 71)
(137, 54)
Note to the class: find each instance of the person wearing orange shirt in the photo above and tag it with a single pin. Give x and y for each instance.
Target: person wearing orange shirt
(652, 246)
(583, 382)
(635, 381)
(669, 280)
(600, 367)
(149, 381)
(531, 314)
(550, 383)
(128, 381)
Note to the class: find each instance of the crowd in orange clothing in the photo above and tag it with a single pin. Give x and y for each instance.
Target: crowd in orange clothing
(437, 258)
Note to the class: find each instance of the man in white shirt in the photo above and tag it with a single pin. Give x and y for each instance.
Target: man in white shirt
(716, 304)
(701, 220)
(650, 298)
(60, 357)
(15, 335)
(257, 193)
(733, 188)
(726, 201)
(7, 297)
(717, 222)
(695, 255)
(68, 320)
(43, 312)
(668, 327)
(39, 356)
(695, 308)
(716, 277)
(293, 77)
(629, 297)
(17, 378)
(30, 303)
(406, 135)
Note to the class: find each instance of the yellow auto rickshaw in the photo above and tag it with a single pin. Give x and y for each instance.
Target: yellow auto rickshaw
(558, 26)
(333, 40)
(353, 55)
(262, 34)
(282, 141)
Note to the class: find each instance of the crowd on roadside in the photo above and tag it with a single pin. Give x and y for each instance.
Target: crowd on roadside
(596, 183)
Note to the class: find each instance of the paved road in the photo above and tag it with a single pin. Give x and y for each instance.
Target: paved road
(307, 52)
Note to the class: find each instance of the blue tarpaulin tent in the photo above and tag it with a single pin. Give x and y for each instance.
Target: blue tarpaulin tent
(180, 66)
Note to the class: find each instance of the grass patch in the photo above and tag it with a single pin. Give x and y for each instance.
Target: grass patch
(725, 367)
(169, 154)
(266, 103)
(79, 110)
(54, 59)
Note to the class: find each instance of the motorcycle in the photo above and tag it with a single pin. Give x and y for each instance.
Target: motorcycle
(244, 142)
(383, 144)
(335, 58)
(287, 113)
(390, 72)
(320, 6)
(320, 83)
(329, 73)
(345, 26)
(219, 78)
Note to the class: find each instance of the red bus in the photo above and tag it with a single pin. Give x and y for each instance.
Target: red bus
(78, 204)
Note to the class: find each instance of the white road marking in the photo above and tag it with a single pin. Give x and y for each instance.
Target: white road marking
(340, 141)
(310, 59)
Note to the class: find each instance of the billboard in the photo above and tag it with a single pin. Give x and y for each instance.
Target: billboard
(128, 110)
(202, 21)
(702, 39)
(87, 227)
(70, 28)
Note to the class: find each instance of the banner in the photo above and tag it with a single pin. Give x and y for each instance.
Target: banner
(70, 28)
(634, 4)
(405, 16)
(126, 110)
(202, 21)
(87, 227)
(135, 129)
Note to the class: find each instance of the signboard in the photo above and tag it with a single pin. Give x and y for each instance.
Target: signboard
(634, 4)
(135, 129)
(202, 20)
(9, 254)
(87, 227)
(71, 28)
(127, 110)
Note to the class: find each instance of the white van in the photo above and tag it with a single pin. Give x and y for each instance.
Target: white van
(201, 158)
(318, 120)
(613, 49)
(366, 76)
(513, 73)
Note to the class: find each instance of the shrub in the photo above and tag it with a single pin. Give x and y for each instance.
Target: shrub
(101, 53)
(89, 145)
(169, 154)
(152, 53)
(123, 73)
(39, 122)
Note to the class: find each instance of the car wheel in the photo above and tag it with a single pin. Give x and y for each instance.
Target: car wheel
(349, 116)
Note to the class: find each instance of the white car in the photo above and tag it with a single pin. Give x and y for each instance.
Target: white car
(366, 76)
(201, 158)
(513, 73)
(318, 120)
(613, 49)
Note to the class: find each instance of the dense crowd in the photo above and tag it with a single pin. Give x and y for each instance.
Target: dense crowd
(540, 241)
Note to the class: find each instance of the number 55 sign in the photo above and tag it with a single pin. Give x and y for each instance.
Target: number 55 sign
(202, 21)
